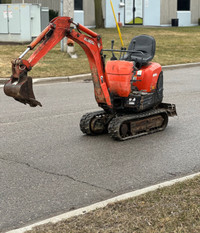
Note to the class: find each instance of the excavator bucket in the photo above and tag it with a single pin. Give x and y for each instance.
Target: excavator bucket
(21, 90)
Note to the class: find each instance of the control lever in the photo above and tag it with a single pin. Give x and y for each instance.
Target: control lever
(113, 55)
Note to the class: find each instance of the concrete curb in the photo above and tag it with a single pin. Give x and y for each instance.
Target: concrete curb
(104, 203)
(179, 66)
(80, 77)
(86, 77)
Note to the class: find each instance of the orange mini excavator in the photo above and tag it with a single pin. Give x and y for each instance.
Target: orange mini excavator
(128, 89)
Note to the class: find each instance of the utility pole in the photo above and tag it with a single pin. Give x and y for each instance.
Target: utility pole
(66, 9)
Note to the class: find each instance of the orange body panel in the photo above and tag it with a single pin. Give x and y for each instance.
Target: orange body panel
(118, 77)
(147, 77)
(120, 73)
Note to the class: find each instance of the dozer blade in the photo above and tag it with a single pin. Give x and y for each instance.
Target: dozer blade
(21, 90)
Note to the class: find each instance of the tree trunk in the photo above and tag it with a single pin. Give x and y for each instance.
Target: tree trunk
(68, 10)
(99, 14)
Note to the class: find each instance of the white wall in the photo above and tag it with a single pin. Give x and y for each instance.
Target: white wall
(184, 18)
(109, 19)
(151, 13)
(79, 16)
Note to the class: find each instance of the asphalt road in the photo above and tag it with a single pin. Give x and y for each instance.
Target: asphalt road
(48, 167)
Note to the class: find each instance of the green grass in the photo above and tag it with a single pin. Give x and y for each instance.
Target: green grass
(170, 209)
(5, 1)
(175, 45)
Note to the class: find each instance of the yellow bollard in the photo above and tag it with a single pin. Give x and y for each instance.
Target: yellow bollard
(120, 35)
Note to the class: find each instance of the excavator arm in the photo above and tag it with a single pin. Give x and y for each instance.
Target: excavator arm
(20, 84)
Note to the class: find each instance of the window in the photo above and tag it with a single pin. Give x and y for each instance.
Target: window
(183, 5)
(78, 4)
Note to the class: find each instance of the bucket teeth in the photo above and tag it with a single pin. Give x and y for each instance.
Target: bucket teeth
(21, 90)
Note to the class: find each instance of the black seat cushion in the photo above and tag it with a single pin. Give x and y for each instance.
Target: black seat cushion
(144, 47)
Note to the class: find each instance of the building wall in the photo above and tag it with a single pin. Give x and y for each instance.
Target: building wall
(52, 4)
(168, 11)
(151, 13)
(88, 7)
(109, 18)
(195, 11)
(89, 14)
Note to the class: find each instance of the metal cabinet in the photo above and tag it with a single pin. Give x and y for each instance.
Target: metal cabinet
(21, 22)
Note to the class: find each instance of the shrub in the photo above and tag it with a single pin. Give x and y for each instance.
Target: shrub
(52, 14)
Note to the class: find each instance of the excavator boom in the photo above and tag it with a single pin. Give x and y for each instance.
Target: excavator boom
(20, 85)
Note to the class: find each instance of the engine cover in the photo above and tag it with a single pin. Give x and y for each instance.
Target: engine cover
(118, 77)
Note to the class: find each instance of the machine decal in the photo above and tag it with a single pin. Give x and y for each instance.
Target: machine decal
(89, 41)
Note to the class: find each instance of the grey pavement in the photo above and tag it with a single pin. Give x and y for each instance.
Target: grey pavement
(47, 166)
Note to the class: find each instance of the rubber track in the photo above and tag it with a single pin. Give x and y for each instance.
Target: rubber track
(86, 119)
(115, 123)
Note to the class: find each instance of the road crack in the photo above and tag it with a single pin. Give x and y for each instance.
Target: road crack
(56, 174)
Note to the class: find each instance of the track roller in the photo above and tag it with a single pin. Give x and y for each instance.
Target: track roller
(95, 123)
(132, 126)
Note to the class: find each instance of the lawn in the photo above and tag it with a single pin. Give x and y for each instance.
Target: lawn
(175, 45)
(170, 209)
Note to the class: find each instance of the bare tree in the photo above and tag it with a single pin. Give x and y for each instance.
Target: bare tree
(98, 14)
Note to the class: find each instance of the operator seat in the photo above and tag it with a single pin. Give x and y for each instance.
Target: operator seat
(144, 47)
